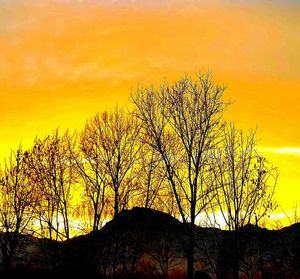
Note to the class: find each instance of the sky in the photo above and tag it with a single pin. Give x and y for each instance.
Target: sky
(62, 61)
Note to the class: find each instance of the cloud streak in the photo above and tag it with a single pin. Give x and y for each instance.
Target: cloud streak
(282, 150)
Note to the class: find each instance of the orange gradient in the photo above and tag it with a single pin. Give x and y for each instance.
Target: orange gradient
(62, 61)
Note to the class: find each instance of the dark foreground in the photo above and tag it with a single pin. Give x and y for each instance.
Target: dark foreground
(143, 243)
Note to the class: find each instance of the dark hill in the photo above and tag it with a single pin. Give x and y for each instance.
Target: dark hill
(134, 241)
(145, 243)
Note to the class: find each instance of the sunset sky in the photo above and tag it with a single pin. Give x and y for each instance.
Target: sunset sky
(62, 61)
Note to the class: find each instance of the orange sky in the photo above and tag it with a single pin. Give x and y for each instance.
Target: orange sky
(62, 61)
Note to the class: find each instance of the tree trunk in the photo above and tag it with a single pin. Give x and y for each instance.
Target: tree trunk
(191, 247)
(190, 256)
(236, 260)
(116, 205)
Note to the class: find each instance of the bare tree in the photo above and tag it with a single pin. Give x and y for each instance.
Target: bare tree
(92, 169)
(54, 174)
(245, 183)
(18, 199)
(181, 122)
(151, 178)
(118, 147)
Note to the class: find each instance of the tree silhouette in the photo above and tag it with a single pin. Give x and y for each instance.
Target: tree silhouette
(18, 200)
(181, 122)
(53, 172)
(245, 184)
(93, 171)
(151, 178)
(118, 147)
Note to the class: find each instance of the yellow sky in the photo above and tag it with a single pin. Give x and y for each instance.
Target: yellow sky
(62, 61)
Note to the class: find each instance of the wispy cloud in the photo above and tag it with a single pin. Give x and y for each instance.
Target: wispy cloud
(276, 216)
(282, 150)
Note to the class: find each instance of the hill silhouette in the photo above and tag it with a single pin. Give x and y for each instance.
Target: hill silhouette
(146, 243)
